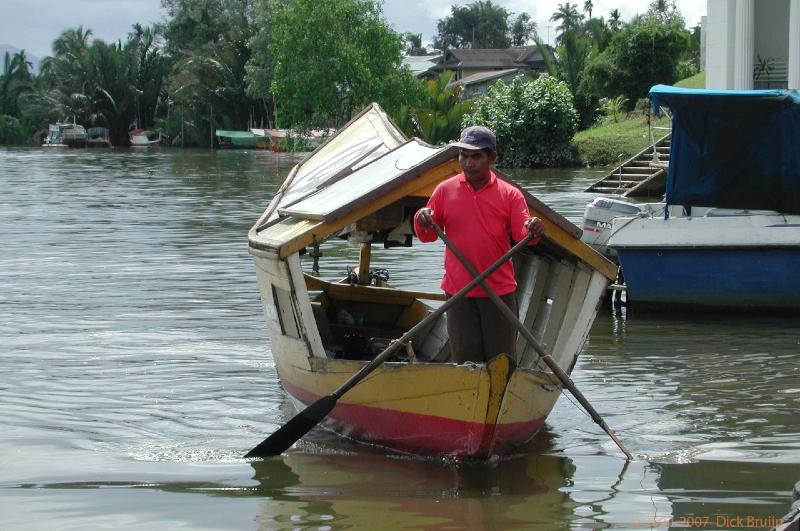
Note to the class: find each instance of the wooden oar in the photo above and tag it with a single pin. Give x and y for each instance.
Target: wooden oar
(300, 424)
(543, 355)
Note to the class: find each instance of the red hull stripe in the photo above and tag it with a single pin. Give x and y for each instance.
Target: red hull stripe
(423, 434)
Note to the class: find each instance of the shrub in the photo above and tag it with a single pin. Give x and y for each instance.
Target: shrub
(534, 121)
(685, 69)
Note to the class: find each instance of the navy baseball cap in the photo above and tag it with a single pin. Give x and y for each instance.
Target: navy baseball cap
(477, 137)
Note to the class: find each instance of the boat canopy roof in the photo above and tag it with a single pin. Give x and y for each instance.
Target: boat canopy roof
(368, 178)
(733, 148)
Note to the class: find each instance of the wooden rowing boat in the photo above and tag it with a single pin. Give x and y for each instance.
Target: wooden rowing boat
(365, 183)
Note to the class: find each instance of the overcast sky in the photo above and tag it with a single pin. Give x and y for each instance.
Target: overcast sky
(33, 25)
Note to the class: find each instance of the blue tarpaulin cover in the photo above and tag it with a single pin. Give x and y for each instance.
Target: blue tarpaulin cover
(733, 148)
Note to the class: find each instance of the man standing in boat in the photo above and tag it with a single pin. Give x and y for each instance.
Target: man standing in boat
(478, 212)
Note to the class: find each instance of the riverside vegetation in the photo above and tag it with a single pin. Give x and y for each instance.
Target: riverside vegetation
(234, 64)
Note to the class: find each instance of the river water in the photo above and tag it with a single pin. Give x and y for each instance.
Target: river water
(135, 371)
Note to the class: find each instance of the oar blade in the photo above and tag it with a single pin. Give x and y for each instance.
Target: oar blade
(292, 431)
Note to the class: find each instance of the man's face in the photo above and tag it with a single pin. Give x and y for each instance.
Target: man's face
(475, 163)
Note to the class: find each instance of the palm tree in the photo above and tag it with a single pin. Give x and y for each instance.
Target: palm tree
(587, 6)
(439, 118)
(569, 19)
(614, 20)
(107, 84)
(15, 79)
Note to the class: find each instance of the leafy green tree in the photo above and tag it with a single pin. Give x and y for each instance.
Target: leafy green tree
(569, 19)
(523, 30)
(645, 52)
(333, 57)
(214, 84)
(260, 67)
(413, 44)
(480, 24)
(534, 121)
(665, 11)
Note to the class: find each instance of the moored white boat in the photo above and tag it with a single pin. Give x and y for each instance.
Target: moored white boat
(144, 138)
(364, 184)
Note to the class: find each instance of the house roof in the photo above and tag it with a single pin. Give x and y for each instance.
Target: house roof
(419, 64)
(490, 57)
(480, 77)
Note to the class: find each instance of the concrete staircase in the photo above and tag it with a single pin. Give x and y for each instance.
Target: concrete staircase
(643, 175)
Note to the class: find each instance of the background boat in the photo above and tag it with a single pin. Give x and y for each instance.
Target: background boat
(729, 236)
(144, 138)
(242, 139)
(98, 137)
(62, 134)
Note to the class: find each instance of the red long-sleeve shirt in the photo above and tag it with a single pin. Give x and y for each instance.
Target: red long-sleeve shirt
(479, 224)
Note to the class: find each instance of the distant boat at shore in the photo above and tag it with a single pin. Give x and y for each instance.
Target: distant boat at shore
(253, 139)
(65, 135)
(278, 137)
(144, 138)
(98, 137)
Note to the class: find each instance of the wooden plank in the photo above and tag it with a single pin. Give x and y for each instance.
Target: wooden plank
(365, 253)
(436, 344)
(302, 302)
(368, 293)
(569, 344)
(530, 296)
(573, 305)
(559, 274)
(559, 295)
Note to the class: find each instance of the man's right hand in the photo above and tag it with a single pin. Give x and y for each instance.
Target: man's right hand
(425, 218)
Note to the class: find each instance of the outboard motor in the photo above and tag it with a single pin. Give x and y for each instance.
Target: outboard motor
(597, 218)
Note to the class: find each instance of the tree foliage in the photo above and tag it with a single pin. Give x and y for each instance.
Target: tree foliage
(523, 30)
(210, 85)
(437, 118)
(480, 24)
(333, 57)
(645, 52)
(569, 20)
(534, 121)
(109, 85)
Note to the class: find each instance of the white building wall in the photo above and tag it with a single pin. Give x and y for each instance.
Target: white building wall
(794, 45)
(738, 32)
(719, 43)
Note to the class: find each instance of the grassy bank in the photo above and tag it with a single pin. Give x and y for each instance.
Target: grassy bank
(610, 143)
(696, 81)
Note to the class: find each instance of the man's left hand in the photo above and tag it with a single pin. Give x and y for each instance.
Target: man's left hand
(535, 226)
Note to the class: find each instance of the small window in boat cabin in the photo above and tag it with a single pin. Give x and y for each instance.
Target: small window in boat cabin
(287, 316)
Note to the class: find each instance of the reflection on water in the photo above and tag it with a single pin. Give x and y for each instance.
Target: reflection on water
(136, 371)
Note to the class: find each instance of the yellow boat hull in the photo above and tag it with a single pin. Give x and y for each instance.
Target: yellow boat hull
(428, 408)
